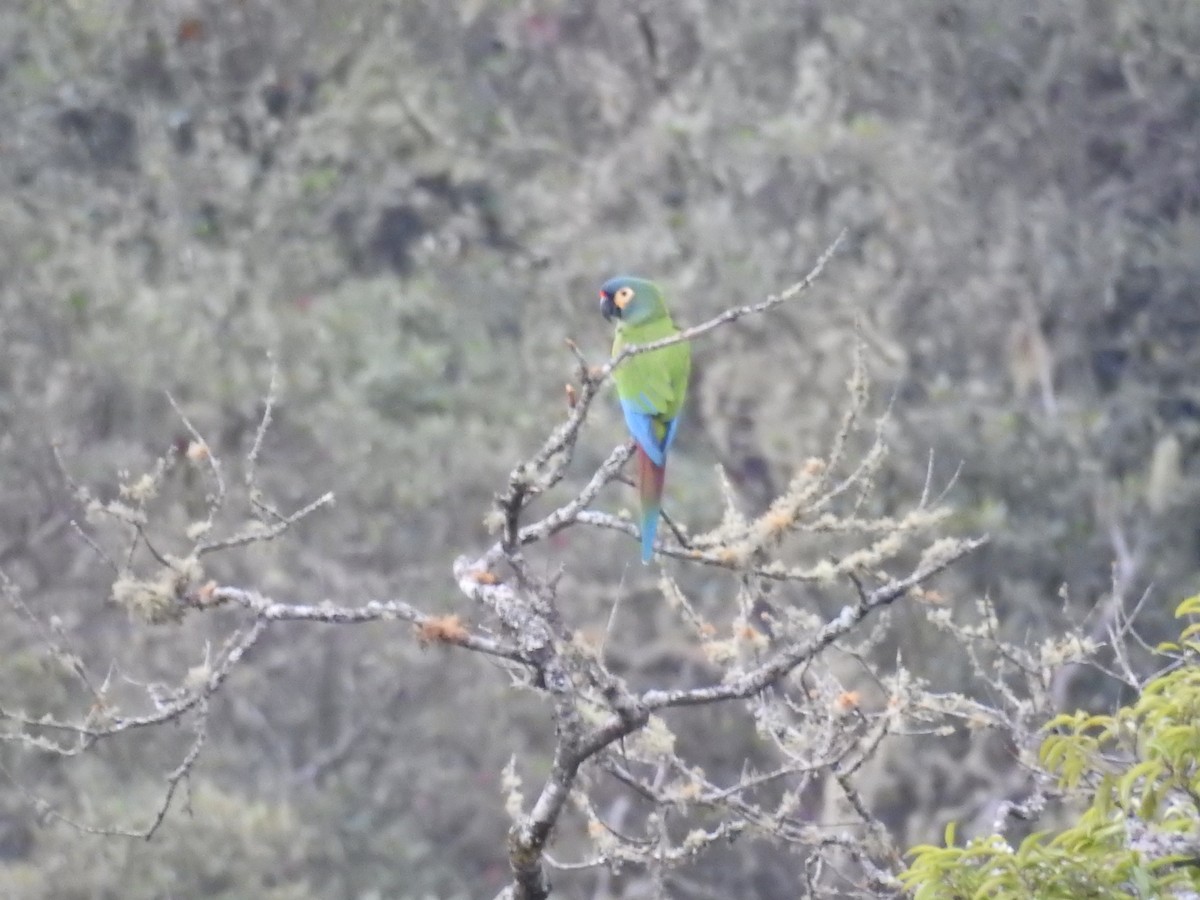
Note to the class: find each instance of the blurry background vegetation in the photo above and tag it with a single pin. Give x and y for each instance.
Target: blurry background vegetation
(411, 204)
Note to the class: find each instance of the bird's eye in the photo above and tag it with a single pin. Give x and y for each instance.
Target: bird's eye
(623, 296)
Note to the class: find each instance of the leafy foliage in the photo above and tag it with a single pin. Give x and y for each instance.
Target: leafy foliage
(1137, 770)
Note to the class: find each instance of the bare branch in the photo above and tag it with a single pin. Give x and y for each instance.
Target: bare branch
(438, 627)
(733, 314)
(202, 449)
(767, 674)
(263, 424)
(258, 533)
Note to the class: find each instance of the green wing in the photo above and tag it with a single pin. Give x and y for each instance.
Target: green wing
(655, 382)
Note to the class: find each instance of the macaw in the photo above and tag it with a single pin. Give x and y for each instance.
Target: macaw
(651, 386)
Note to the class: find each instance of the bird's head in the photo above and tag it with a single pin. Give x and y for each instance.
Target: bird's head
(631, 300)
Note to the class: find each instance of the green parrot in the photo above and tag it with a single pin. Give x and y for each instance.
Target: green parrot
(651, 386)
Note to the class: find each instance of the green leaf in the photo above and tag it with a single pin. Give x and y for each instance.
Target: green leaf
(1148, 809)
(1149, 770)
(1189, 607)
(1141, 881)
(1030, 843)
(1190, 631)
(991, 887)
(1071, 719)
(1052, 751)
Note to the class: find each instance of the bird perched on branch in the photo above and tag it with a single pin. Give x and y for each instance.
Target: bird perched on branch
(651, 386)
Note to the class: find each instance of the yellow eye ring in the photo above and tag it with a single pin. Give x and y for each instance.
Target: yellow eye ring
(622, 297)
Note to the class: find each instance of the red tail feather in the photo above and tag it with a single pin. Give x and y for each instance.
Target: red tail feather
(650, 480)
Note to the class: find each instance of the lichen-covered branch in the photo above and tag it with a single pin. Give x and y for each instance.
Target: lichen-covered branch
(768, 658)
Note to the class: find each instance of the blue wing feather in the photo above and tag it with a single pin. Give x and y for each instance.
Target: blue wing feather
(672, 427)
(641, 425)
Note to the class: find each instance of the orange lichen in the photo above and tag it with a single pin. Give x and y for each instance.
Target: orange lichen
(198, 451)
(847, 700)
(589, 639)
(440, 630)
(483, 576)
(686, 791)
(813, 466)
(750, 635)
(777, 520)
(572, 396)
